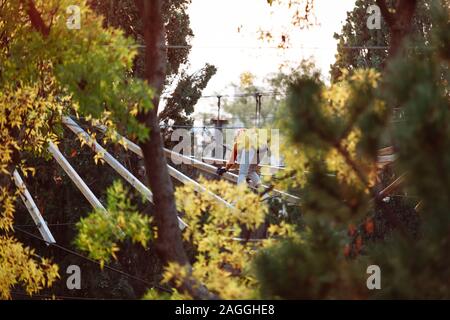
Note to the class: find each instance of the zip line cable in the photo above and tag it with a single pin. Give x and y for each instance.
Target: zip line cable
(93, 261)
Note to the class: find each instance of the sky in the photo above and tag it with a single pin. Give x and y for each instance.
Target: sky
(217, 41)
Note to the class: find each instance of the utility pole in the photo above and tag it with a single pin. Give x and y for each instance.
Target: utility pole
(220, 147)
(259, 111)
(218, 108)
(258, 108)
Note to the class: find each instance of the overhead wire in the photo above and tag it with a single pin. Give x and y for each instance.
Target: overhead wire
(302, 47)
(53, 296)
(48, 224)
(93, 261)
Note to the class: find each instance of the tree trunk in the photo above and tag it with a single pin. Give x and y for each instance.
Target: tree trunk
(35, 17)
(399, 23)
(168, 243)
(402, 25)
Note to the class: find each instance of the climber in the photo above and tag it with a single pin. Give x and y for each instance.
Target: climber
(247, 153)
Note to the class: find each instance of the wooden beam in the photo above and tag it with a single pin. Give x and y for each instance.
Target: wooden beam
(386, 151)
(386, 159)
(33, 209)
(172, 171)
(199, 165)
(116, 165)
(76, 179)
(109, 159)
(227, 175)
(177, 157)
(197, 187)
(223, 161)
(394, 185)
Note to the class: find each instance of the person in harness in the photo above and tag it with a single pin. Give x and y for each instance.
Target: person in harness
(248, 150)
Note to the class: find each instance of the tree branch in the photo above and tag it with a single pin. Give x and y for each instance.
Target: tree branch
(53, 13)
(35, 18)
